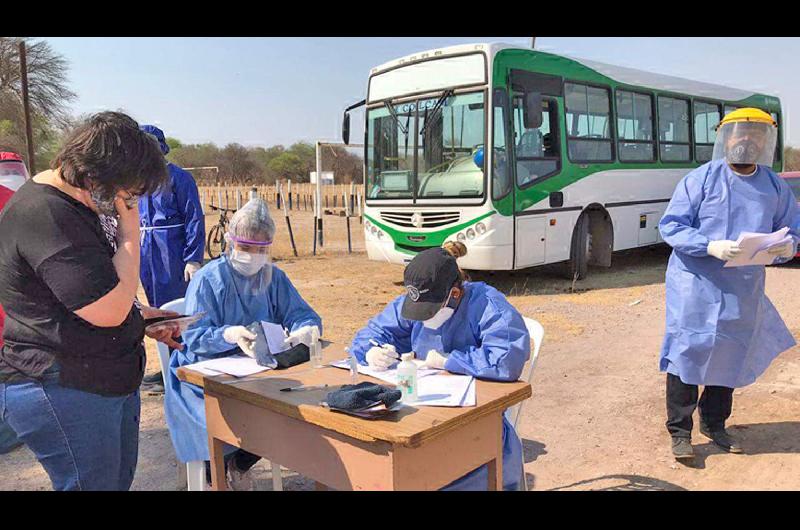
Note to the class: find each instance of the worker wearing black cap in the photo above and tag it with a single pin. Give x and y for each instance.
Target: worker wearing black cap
(455, 325)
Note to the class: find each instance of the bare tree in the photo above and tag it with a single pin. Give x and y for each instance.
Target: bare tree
(47, 82)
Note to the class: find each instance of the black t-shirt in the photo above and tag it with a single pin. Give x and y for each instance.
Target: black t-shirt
(55, 259)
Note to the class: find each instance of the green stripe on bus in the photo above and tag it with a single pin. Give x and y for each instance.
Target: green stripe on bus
(432, 239)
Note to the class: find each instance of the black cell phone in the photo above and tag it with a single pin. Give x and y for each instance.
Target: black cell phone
(156, 320)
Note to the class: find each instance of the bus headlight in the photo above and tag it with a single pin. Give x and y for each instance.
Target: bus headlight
(480, 228)
(373, 230)
(380, 234)
(367, 224)
(470, 234)
(461, 237)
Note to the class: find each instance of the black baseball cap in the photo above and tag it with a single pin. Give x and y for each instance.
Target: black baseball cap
(428, 279)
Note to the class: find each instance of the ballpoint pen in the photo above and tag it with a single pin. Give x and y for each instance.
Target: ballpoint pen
(303, 387)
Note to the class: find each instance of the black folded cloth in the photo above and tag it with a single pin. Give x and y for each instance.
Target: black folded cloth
(362, 395)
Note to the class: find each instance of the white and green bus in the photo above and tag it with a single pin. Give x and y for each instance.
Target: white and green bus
(584, 156)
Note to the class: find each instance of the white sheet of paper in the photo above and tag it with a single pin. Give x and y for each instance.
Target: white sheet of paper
(445, 390)
(275, 336)
(235, 365)
(754, 247)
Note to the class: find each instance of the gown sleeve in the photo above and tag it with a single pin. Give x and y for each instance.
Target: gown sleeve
(188, 200)
(388, 327)
(677, 227)
(204, 338)
(786, 216)
(503, 348)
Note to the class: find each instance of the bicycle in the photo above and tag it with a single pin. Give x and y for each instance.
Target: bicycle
(215, 244)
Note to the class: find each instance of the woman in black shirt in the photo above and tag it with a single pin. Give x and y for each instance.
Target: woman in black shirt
(73, 356)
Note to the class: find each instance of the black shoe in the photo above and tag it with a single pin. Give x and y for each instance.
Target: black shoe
(153, 384)
(722, 439)
(153, 378)
(682, 449)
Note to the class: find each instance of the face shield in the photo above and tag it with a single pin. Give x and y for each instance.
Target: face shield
(248, 249)
(746, 142)
(13, 174)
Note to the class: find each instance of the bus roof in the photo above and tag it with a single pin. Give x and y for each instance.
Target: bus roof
(620, 74)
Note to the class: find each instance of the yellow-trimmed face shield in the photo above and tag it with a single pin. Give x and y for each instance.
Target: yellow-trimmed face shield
(746, 136)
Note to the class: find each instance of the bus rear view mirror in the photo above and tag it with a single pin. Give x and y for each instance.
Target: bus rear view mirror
(346, 128)
(532, 116)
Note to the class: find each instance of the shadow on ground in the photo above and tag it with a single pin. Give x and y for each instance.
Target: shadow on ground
(622, 483)
(630, 268)
(781, 437)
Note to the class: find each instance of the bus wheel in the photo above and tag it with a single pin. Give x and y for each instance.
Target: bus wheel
(580, 250)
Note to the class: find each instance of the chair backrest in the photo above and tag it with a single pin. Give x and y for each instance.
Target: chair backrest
(536, 332)
(163, 350)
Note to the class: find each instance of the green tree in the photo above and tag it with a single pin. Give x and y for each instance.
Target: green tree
(173, 143)
(48, 95)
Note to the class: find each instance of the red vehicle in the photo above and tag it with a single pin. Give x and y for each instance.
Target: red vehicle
(13, 174)
(793, 180)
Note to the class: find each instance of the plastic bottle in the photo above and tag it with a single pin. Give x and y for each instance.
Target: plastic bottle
(407, 378)
(315, 351)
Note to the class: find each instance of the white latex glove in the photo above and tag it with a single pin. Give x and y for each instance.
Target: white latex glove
(434, 359)
(190, 269)
(301, 336)
(724, 249)
(381, 357)
(242, 337)
(782, 251)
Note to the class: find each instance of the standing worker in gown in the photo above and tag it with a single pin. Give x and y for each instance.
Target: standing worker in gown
(455, 325)
(722, 331)
(241, 288)
(173, 235)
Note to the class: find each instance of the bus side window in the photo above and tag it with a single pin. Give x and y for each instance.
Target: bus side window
(536, 150)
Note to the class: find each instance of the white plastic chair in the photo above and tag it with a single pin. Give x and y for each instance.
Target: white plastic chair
(196, 470)
(536, 332)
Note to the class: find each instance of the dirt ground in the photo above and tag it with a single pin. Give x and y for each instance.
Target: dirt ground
(596, 418)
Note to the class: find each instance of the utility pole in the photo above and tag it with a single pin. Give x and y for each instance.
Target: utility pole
(533, 43)
(23, 71)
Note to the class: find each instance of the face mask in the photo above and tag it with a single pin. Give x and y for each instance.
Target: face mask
(743, 152)
(441, 316)
(248, 264)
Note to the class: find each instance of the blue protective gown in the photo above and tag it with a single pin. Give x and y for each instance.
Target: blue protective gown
(181, 238)
(721, 328)
(218, 290)
(486, 338)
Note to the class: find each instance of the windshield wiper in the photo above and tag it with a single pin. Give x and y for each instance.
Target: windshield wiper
(403, 128)
(436, 108)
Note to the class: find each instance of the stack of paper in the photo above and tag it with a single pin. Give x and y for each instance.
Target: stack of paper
(755, 247)
(235, 365)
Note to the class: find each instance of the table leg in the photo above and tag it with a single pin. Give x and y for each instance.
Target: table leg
(495, 466)
(217, 464)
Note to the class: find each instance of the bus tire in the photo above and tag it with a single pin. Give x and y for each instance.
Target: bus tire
(578, 264)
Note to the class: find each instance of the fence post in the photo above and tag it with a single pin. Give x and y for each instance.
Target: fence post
(289, 192)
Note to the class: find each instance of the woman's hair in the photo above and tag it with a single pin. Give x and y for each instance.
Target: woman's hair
(109, 153)
(457, 249)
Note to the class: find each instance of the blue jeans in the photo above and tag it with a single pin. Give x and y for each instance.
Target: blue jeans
(84, 441)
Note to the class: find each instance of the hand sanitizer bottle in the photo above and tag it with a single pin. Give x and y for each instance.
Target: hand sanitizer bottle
(407, 378)
(315, 352)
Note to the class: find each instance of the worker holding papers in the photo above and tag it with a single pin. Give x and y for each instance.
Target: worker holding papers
(454, 325)
(235, 291)
(726, 220)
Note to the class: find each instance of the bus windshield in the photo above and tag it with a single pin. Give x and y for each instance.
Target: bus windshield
(446, 133)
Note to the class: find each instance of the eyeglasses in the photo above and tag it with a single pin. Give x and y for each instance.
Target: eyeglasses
(131, 201)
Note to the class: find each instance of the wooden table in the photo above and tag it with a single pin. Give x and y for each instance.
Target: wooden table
(416, 448)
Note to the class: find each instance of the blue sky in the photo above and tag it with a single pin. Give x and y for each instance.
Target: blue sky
(265, 91)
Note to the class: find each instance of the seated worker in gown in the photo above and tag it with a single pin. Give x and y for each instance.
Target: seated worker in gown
(455, 325)
(234, 291)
